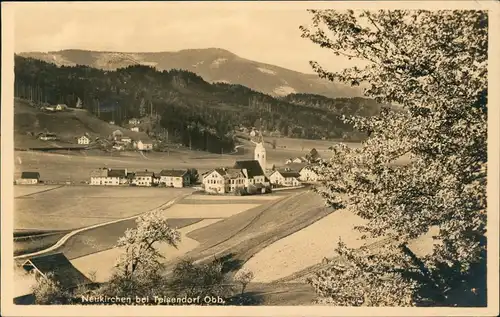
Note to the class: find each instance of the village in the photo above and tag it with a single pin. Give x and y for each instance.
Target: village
(245, 177)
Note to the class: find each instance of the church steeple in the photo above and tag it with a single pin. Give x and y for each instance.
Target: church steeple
(260, 153)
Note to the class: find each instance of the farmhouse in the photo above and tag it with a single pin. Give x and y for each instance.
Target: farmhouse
(144, 145)
(83, 140)
(134, 121)
(29, 178)
(47, 136)
(174, 178)
(285, 178)
(108, 177)
(224, 180)
(144, 178)
(135, 129)
(58, 268)
(308, 175)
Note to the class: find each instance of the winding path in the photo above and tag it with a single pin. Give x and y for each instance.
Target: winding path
(63, 240)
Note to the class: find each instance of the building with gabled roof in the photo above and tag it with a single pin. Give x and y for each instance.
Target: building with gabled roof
(58, 268)
(309, 175)
(108, 177)
(253, 168)
(144, 178)
(285, 178)
(174, 178)
(144, 145)
(244, 174)
(224, 180)
(29, 178)
(84, 140)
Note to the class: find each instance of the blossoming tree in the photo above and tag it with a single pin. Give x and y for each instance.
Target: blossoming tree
(420, 167)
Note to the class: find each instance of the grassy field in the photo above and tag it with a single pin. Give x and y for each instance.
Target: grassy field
(71, 207)
(34, 243)
(307, 247)
(105, 237)
(247, 233)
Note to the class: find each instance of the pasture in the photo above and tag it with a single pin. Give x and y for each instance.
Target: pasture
(71, 207)
(306, 247)
(86, 247)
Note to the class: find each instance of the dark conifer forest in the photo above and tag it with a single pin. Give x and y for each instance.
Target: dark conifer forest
(199, 114)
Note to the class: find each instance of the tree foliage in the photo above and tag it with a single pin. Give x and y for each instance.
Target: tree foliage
(47, 291)
(434, 65)
(200, 279)
(140, 254)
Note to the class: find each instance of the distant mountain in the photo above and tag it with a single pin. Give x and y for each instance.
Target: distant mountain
(212, 64)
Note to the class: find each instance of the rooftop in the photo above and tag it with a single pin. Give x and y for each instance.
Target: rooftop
(252, 166)
(30, 175)
(63, 271)
(174, 173)
(117, 173)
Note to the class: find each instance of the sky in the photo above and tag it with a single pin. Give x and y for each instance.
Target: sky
(265, 34)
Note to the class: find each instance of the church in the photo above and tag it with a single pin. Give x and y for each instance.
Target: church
(248, 174)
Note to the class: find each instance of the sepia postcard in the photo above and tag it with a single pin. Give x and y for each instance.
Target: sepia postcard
(254, 158)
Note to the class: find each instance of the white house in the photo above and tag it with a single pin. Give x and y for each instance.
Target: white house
(135, 129)
(83, 140)
(144, 178)
(29, 178)
(285, 178)
(134, 121)
(144, 145)
(111, 122)
(223, 180)
(174, 178)
(108, 177)
(308, 175)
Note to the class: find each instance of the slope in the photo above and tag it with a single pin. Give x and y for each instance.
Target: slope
(29, 121)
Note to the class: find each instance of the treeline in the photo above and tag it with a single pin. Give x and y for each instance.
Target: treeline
(198, 113)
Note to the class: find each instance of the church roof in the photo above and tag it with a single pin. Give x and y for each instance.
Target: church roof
(252, 166)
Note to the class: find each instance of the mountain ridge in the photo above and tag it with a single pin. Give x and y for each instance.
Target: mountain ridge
(212, 64)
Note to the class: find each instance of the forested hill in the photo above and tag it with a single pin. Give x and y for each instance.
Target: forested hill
(190, 108)
(356, 106)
